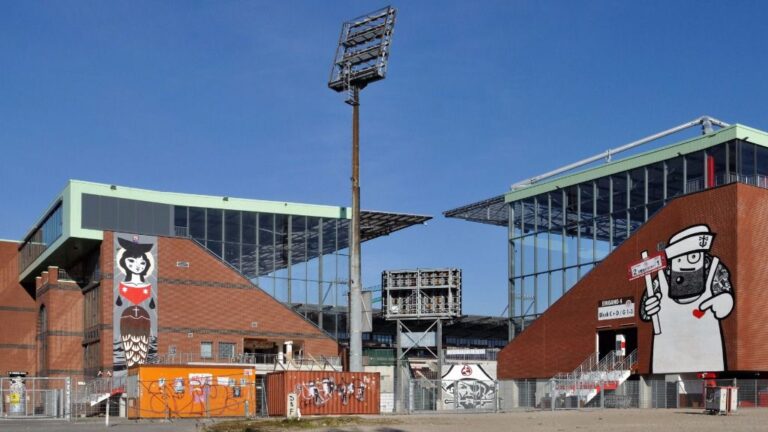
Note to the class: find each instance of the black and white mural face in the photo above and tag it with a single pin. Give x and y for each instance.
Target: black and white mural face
(468, 386)
(691, 296)
(135, 294)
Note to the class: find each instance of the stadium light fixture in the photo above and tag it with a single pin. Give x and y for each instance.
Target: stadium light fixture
(361, 58)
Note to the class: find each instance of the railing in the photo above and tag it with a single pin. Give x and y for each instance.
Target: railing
(245, 358)
(95, 275)
(698, 184)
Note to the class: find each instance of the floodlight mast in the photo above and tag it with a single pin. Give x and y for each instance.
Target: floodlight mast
(361, 58)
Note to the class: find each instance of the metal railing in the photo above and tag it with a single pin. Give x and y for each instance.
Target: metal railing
(698, 184)
(246, 358)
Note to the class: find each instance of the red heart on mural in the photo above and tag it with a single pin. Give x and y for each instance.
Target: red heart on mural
(134, 294)
(698, 313)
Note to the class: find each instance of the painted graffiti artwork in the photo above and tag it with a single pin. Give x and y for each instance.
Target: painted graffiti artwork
(690, 298)
(320, 392)
(468, 386)
(135, 293)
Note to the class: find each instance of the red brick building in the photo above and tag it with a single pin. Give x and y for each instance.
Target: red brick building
(113, 276)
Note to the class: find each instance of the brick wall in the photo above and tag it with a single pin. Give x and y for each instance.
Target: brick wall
(63, 301)
(18, 315)
(565, 335)
(209, 302)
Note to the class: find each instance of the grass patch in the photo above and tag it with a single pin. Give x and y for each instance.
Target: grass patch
(291, 424)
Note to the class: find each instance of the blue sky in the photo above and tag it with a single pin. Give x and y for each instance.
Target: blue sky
(230, 98)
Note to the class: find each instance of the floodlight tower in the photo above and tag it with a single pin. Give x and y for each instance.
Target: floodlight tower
(361, 58)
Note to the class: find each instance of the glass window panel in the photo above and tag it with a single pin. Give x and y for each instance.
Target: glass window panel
(214, 225)
(542, 293)
(281, 289)
(299, 245)
(762, 161)
(733, 156)
(180, 216)
(556, 251)
(675, 177)
(586, 269)
(249, 227)
(571, 251)
(602, 248)
(266, 229)
(281, 241)
(248, 261)
(529, 294)
(620, 222)
(603, 196)
(556, 285)
(655, 182)
(571, 275)
(654, 208)
(716, 160)
(232, 254)
(267, 284)
(518, 309)
(747, 159)
(542, 211)
(299, 292)
(637, 187)
(587, 196)
(214, 247)
(637, 217)
(694, 168)
(517, 218)
(528, 255)
(571, 205)
(528, 215)
(313, 292)
(557, 209)
(619, 190)
(541, 252)
(206, 349)
(585, 246)
(232, 226)
(518, 260)
(197, 223)
(226, 350)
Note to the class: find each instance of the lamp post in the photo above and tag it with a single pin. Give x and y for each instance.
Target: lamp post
(361, 58)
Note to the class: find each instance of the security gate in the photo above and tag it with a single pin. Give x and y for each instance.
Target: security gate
(29, 397)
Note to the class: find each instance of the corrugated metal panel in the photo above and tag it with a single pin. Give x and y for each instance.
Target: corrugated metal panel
(325, 393)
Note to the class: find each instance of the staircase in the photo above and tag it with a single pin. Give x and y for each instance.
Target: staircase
(593, 376)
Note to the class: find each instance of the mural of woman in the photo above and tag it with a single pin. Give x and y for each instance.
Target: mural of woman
(135, 313)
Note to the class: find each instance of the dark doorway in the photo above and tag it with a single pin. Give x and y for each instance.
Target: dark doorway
(607, 340)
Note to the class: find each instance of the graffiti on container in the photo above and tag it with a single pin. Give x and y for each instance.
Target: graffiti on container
(206, 397)
(468, 386)
(321, 391)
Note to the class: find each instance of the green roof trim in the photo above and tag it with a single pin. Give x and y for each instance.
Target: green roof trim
(736, 131)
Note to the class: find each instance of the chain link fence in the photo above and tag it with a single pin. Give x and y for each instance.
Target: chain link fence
(35, 397)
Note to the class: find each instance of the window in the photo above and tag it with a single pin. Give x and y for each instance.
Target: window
(206, 350)
(226, 350)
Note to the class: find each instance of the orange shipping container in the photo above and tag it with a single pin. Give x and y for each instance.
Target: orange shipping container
(159, 391)
(324, 393)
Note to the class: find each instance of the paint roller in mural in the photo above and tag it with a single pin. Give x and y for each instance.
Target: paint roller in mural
(135, 293)
(469, 387)
(690, 298)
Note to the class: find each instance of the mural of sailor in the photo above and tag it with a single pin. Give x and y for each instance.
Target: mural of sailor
(469, 386)
(691, 296)
(135, 312)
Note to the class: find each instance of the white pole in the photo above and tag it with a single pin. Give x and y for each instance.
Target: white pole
(649, 291)
(106, 418)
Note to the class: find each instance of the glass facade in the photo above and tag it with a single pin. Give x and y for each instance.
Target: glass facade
(40, 239)
(557, 237)
(299, 260)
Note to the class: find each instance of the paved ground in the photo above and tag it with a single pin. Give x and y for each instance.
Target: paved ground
(537, 421)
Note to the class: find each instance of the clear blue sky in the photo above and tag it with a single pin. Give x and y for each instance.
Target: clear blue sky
(230, 98)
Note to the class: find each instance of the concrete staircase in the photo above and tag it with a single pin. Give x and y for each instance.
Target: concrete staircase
(591, 377)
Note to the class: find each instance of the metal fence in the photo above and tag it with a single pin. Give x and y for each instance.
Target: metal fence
(31, 397)
(451, 395)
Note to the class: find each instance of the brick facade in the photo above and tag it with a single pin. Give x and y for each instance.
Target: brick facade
(202, 301)
(565, 335)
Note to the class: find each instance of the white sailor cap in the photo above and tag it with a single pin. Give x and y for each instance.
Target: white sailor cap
(693, 239)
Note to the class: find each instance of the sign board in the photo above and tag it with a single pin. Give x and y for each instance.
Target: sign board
(616, 308)
(417, 339)
(647, 266)
(292, 406)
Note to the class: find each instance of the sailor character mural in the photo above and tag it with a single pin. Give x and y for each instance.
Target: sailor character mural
(691, 296)
(135, 315)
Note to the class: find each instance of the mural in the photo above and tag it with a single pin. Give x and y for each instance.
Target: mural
(135, 294)
(320, 392)
(468, 387)
(691, 296)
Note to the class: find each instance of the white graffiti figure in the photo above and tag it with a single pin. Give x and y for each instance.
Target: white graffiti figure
(691, 296)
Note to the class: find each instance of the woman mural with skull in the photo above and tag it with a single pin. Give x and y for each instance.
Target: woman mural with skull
(691, 296)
